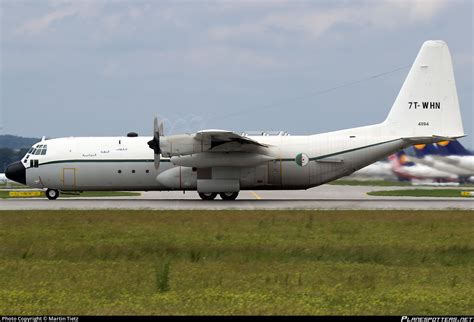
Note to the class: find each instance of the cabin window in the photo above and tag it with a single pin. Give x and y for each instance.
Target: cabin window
(120, 171)
(133, 171)
(147, 171)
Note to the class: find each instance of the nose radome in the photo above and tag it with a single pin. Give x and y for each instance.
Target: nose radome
(16, 172)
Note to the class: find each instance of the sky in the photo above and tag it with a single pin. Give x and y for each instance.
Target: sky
(105, 68)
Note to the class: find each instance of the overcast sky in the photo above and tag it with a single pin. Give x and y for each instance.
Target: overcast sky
(96, 68)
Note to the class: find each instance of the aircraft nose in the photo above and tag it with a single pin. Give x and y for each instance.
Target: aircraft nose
(16, 172)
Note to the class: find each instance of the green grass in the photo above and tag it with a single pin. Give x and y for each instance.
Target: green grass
(5, 194)
(236, 262)
(382, 183)
(420, 193)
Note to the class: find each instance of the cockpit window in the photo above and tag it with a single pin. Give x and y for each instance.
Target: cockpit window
(30, 150)
(40, 150)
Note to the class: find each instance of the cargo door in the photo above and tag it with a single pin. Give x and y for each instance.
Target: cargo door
(69, 177)
(274, 172)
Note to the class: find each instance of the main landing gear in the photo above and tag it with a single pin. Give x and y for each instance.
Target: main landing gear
(208, 196)
(213, 195)
(52, 194)
(229, 195)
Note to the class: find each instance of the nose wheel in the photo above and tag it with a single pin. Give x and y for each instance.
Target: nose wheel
(52, 194)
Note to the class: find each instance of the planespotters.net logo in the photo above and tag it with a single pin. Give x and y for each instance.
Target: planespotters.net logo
(437, 319)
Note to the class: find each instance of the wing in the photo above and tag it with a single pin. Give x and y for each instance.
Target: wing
(208, 141)
(222, 139)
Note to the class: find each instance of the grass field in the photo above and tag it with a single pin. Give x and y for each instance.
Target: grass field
(5, 194)
(237, 262)
(420, 193)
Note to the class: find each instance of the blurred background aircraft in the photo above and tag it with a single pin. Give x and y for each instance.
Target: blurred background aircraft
(444, 163)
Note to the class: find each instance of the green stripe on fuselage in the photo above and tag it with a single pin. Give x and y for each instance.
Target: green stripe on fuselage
(103, 160)
(342, 152)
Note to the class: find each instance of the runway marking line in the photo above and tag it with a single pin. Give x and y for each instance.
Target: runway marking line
(255, 195)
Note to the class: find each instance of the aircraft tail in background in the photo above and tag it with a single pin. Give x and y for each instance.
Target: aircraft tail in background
(422, 150)
(452, 148)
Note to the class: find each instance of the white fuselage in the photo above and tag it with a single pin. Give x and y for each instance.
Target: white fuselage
(378, 170)
(420, 172)
(441, 163)
(464, 162)
(126, 163)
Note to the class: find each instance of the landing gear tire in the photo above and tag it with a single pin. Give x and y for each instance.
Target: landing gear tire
(229, 195)
(208, 196)
(52, 194)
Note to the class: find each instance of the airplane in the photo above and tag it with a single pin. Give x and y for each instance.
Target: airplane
(407, 170)
(222, 162)
(379, 170)
(438, 159)
(453, 152)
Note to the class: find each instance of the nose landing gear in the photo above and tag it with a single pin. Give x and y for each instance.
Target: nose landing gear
(52, 194)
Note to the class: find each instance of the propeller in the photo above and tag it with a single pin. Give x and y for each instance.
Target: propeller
(154, 144)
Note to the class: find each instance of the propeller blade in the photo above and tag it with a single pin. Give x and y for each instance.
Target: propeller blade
(155, 143)
(156, 129)
(161, 130)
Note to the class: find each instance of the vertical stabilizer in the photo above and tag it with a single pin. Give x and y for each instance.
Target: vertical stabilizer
(427, 105)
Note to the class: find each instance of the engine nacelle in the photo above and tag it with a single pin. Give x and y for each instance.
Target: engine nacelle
(182, 144)
(178, 178)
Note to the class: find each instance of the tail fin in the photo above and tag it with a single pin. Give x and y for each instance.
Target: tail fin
(427, 105)
(394, 162)
(421, 150)
(403, 159)
(396, 166)
(399, 159)
(452, 148)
